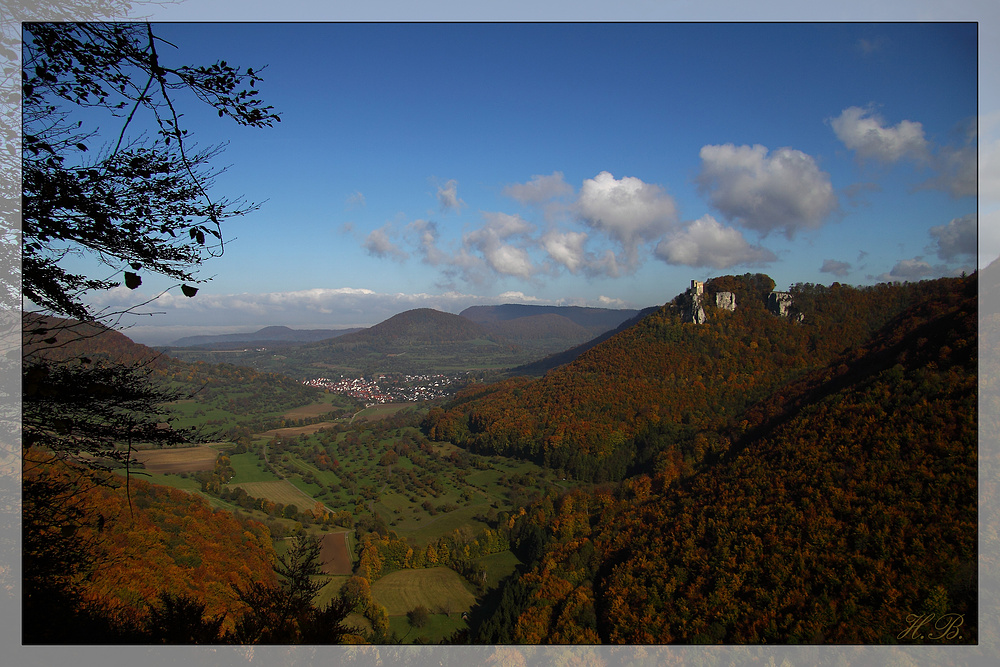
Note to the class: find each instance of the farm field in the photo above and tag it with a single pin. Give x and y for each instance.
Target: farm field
(335, 558)
(439, 589)
(380, 411)
(295, 431)
(177, 460)
(375, 473)
(278, 491)
(246, 469)
(321, 407)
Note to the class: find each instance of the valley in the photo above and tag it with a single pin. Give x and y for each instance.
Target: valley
(658, 486)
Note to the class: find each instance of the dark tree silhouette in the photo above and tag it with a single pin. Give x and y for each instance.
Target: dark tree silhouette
(133, 194)
(140, 204)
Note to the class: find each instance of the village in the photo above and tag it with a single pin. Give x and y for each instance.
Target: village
(391, 388)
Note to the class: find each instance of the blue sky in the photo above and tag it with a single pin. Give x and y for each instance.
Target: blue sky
(444, 165)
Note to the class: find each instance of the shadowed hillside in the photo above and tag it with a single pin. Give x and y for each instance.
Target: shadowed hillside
(665, 379)
(845, 505)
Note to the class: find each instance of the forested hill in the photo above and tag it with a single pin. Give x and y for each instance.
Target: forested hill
(846, 505)
(267, 335)
(414, 327)
(58, 339)
(543, 366)
(610, 412)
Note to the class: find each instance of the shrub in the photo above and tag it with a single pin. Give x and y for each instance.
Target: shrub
(418, 616)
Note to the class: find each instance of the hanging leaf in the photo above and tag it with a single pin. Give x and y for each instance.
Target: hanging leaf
(189, 291)
(132, 280)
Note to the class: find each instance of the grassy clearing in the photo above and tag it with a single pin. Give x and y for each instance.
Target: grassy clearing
(439, 626)
(189, 484)
(381, 411)
(329, 402)
(295, 431)
(330, 589)
(498, 566)
(245, 469)
(430, 528)
(439, 589)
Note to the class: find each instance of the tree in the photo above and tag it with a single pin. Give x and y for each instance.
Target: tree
(180, 619)
(285, 614)
(419, 616)
(133, 196)
(139, 203)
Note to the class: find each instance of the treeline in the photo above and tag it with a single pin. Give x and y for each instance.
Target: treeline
(240, 390)
(658, 385)
(845, 505)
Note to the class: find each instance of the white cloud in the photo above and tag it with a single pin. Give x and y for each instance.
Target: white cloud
(448, 196)
(911, 269)
(519, 297)
(539, 189)
(989, 157)
(611, 302)
(566, 248)
(785, 191)
(427, 235)
(628, 211)
(378, 244)
(706, 242)
(509, 260)
(502, 257)
(958, 237)
(865, 133)
(837, 268)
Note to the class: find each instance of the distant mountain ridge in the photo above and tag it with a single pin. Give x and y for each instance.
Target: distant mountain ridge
(603, 318)
(267, 334)
(420, 325)
(543, 366)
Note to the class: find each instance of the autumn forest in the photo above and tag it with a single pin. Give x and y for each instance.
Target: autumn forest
(758, 478)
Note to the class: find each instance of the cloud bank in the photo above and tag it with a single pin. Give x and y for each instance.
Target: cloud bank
(332, 308)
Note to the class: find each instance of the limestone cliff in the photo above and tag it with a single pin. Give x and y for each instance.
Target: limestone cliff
(782, 305)
(692, 303)
(725, 301)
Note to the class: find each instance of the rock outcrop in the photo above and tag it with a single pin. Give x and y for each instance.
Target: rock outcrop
(693, 309)
(725, 301)
(694, 299)
(782, 305)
